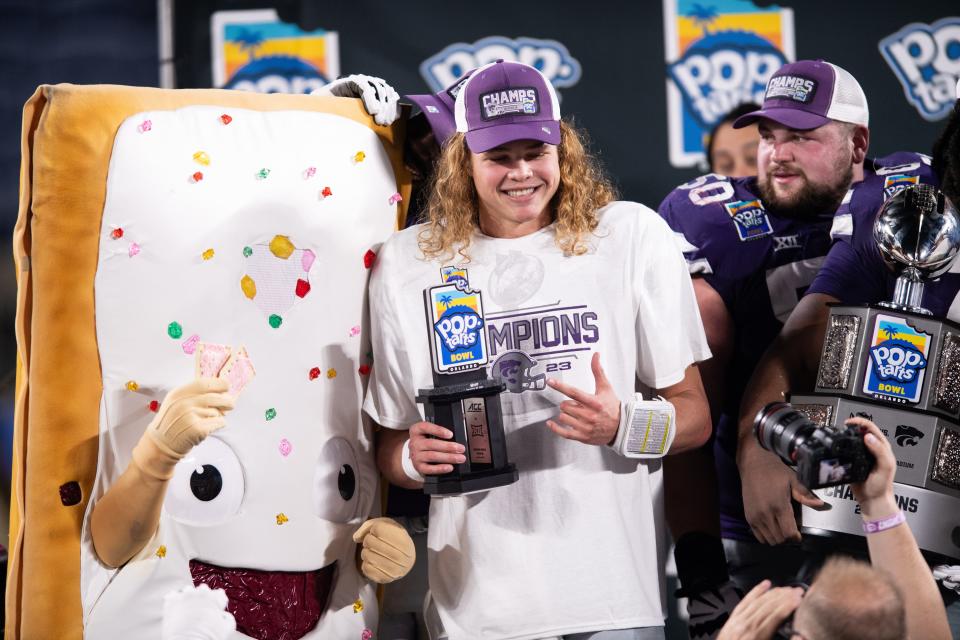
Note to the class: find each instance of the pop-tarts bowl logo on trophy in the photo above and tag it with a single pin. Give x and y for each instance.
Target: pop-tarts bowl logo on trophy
(892, 185)
(750, 219)
(457, 319)
(719, 54)
(898, 360)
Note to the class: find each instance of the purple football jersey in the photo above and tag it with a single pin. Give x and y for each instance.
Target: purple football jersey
(760, 264)
(854, 272)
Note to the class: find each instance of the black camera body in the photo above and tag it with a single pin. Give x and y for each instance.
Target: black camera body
(823, 456)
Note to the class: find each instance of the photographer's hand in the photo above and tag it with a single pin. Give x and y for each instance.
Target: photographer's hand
(768, 487)
(761, 612)
(875, 494)
(894, 549)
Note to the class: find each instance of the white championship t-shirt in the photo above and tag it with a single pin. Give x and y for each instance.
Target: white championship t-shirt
(572, 546)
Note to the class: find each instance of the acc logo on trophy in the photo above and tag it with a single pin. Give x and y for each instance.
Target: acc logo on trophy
(457, 319)
(898, 360)
(750, 219)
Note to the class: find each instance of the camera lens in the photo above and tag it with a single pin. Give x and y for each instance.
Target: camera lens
(780, 428)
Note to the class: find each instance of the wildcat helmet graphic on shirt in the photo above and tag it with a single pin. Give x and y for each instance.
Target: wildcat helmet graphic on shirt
(514, 368)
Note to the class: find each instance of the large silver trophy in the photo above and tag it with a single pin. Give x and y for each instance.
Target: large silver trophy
(898, 364)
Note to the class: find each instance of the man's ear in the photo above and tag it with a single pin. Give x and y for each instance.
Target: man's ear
(861, 142)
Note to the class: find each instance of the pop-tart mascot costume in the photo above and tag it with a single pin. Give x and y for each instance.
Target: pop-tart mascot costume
(190, 458)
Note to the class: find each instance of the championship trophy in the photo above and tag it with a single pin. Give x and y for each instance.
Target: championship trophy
(463, 398)
(897, 364)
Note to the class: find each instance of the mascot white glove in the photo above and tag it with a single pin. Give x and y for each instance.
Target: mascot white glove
(196, 613)
(379, 98)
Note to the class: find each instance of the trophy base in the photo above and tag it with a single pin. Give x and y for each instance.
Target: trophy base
(475, 482)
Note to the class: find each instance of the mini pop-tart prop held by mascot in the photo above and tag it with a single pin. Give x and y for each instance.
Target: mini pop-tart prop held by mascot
(189, 450)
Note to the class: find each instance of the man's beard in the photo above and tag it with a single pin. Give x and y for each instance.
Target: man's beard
(812, 199)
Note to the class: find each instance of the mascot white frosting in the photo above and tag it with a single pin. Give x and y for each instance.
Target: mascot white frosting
(237, 244)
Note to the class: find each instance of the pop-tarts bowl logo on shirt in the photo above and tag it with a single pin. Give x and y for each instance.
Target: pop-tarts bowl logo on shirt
(456, 276)
(796, 88)
(719, 54)
(457, 320)
(750, 219)
(892, 185)
(519, 101)
(924, 59)
(898, 360)
(549, 57)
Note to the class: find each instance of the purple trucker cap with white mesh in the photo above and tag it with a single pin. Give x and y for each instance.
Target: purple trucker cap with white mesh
(808, 94)
(506, 101)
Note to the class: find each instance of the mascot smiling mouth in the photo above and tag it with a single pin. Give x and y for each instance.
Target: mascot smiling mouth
(279, 605)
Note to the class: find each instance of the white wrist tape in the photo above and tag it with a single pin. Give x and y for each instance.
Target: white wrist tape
(647, 428)
(407, 462)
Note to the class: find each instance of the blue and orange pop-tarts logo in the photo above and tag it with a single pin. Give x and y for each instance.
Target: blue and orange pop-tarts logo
(750, 219)
(719, 54)
(898, 360)
(924, 59)
(253, 50)
(456, 276)
(458, 328)
(892, 185)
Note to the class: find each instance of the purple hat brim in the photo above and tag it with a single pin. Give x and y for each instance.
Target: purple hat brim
(793, 118)
(442, 122)
(481, 140)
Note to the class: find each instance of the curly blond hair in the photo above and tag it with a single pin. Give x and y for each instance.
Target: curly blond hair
(453, 211)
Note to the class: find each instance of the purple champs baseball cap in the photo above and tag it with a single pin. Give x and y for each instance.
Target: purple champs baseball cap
(807, 94)
(506, 101)
(438, 108)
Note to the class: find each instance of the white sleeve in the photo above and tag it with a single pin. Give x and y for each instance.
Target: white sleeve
(390, 394)
(670, 334)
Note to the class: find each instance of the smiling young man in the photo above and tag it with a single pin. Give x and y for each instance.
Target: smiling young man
(582, 295)
(754, 245)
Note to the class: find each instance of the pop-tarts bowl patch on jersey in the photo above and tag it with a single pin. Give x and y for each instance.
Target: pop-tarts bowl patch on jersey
(898, 360)
(457, 320)
(750, 219)
(892, 185)
(520, 101)
(796, 88)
